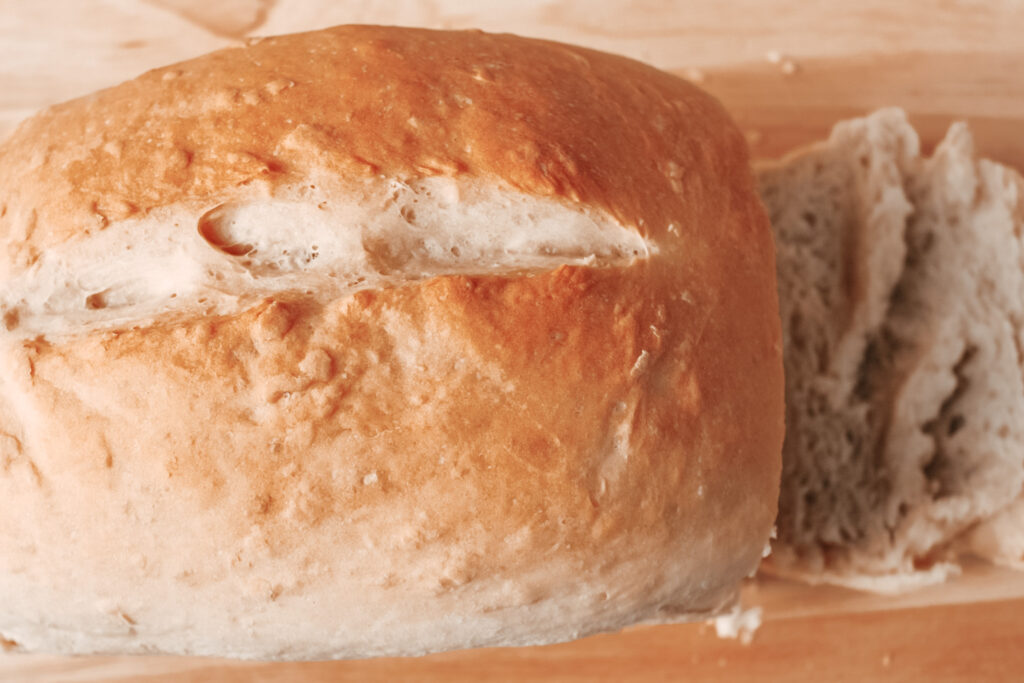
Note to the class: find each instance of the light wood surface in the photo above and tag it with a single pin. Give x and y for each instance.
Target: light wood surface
(787, 70)
(975, 642)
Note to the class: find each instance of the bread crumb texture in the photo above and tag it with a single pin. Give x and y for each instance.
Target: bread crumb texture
(902, 294)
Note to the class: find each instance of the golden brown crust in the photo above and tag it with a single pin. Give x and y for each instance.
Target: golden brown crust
(545, 118)
(467, 460)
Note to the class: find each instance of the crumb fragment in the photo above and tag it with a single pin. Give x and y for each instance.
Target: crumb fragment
(739, 623)
(787, 65)
(694, 75)
(642, 361)
(276, 86)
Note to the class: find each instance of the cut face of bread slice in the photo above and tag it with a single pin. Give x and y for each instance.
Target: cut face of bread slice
(902, 297)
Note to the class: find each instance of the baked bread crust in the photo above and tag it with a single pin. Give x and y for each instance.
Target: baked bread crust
(487, 456)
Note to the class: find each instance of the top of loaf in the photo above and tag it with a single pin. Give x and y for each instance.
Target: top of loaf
(365, 102)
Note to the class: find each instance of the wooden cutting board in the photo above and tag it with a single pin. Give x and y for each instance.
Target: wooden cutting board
(969, 630)
(787, 70)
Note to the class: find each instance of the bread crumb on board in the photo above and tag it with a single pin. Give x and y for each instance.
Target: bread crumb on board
(694, 74)
(787, 65)
(739, 624)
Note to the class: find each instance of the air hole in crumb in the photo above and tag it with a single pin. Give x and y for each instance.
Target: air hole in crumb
(384, 256)
(408, 214)
(11, 319)
(96, 302)
(810, 219)
(927, 241)
(216, 226)
(955, 424)
(455, 251)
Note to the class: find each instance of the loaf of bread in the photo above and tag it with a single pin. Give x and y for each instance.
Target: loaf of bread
(376, 341)
(901, 282)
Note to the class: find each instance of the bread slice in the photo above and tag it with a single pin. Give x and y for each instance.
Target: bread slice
(902, 297)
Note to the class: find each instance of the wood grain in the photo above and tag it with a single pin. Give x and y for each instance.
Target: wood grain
(54, 50)
(942, 61)
(974, 642)
(780, 111)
